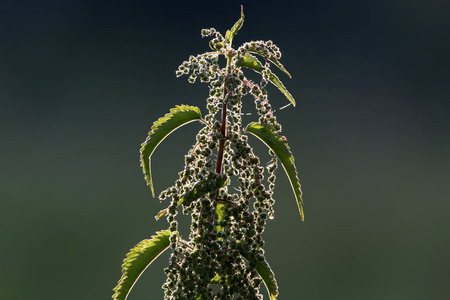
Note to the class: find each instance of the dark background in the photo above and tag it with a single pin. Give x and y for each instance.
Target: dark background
(81, 83)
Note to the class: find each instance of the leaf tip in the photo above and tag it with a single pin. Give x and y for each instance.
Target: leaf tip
(161, 214)
(153, 190)
(300, 208)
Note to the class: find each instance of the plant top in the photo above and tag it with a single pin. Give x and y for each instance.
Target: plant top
(223, 187)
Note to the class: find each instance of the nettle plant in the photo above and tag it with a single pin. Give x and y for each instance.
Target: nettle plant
(223, 256)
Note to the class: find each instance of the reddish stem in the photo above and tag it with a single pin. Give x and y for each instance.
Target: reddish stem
(223, 131)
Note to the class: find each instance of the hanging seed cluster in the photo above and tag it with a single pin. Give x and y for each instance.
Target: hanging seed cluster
(229, 221)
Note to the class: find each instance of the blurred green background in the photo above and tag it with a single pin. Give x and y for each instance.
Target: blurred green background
(81, 83)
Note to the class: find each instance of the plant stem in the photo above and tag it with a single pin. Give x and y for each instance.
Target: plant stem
(223, 128)
(222, 140)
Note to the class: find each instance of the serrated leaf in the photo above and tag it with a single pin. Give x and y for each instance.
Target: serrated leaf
(251, 62)
(138, 259)
(229, 35)
(268, 277)
(198, 190)
(264, 271)
(268, 135)
(179, 116)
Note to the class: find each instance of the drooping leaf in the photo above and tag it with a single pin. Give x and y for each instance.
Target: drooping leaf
(268, 277)
(179, 116)
(229, 35)
(264, 271)
(271, 58)
(267, 134)
(251, 62)
(198, 190)
(138, 259)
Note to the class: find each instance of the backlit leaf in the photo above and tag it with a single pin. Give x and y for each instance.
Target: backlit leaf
(264, 271)
(179, 116)
(267, 134)
(138, 259)
(229, 35)
(251, 62)
(200, 189)
(270, 58)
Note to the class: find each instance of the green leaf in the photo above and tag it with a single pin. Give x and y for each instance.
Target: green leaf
(138, 259)
(229, 35)
(220, 211)
(215, 280)
(198, 190)
(251, 62)
(268, 278)
(268, 135)
(203, 187)
(216, 46)
(179, 116)
(161, 214)
(271, 58)
(264, 271)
